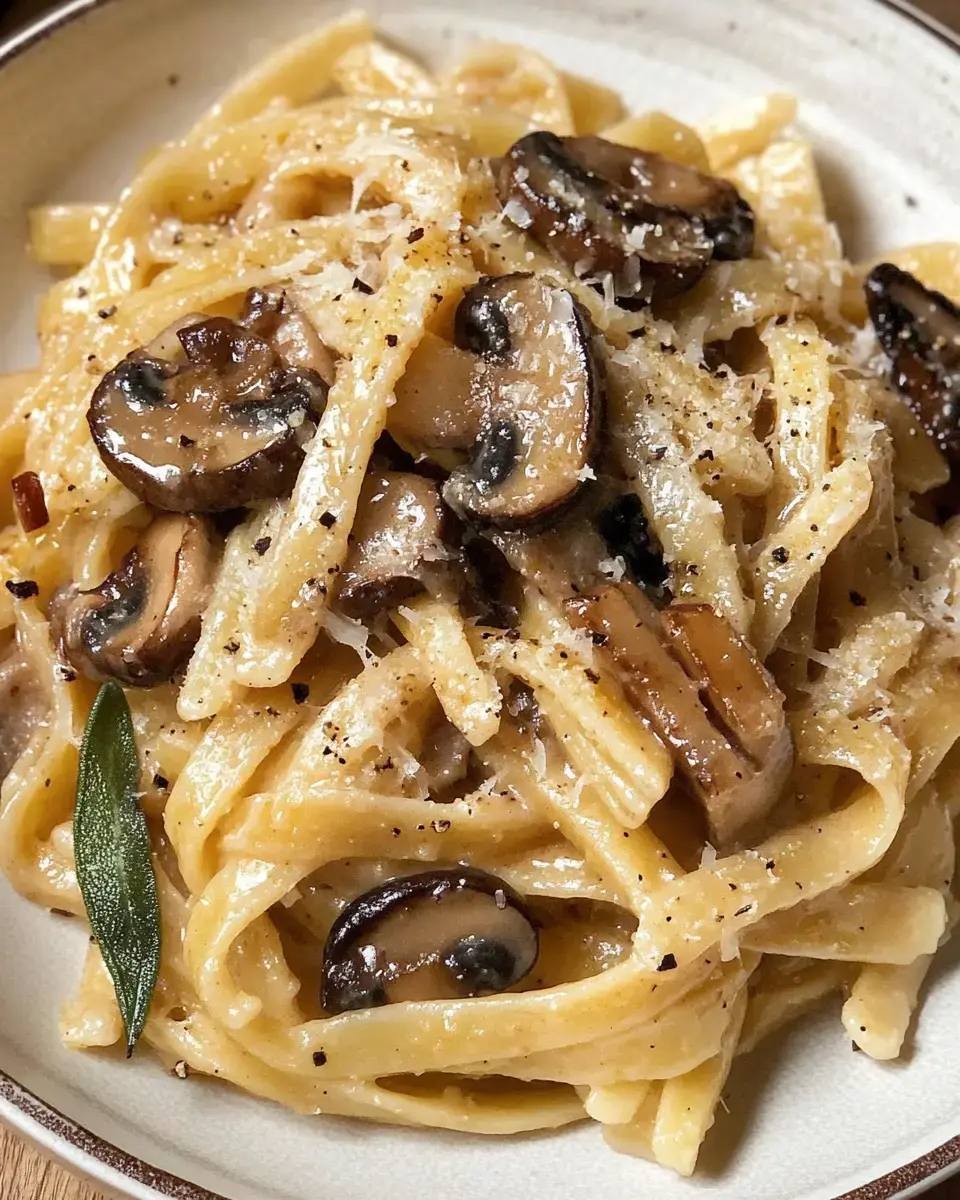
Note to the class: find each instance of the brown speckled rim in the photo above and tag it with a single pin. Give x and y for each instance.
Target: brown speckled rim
(84, 1152)
(46, 1126)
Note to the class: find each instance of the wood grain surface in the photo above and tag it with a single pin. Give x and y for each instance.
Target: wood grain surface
(24, 1173)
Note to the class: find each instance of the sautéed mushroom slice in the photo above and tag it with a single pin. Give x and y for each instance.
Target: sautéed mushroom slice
(141, 624)
(443, 934)
(400, 548)
(542, 390)
(651, 225)
(214, 414)
(703, 692)
(919, 330)
(520, 396)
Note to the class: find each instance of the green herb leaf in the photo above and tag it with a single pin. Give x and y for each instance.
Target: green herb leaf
(114, 866)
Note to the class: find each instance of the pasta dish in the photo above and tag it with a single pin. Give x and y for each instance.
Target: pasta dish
(480, 602)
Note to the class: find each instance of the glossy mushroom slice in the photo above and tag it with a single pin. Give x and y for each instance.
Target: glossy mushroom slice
(722, 717)
(441, 935)
(212, 415)
(597, 226)
(141, 624)
(400, 548)
(740, 692)
(919, 329)
(272, 315)
(728, 220)
(542, 388)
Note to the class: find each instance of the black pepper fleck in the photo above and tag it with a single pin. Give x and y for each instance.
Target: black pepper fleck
(22, 589)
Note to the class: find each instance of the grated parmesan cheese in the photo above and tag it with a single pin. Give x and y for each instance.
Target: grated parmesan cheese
(517, 214)
(729, 945)
(538, 758)
(613, 568)
(347, 632)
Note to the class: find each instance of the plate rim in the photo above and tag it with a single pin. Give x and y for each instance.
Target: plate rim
(80, 1150)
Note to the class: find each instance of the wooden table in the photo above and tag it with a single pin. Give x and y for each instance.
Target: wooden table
(27, 1175)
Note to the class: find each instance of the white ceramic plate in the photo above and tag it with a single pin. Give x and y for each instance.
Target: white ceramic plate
(82, 96)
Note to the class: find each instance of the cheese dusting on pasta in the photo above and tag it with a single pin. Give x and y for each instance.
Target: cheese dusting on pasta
(526, 546)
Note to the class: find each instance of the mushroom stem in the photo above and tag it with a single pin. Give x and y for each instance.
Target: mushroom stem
(710, 700)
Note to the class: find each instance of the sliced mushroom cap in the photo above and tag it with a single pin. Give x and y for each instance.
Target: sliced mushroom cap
(212, 415)
(596, 225)
(712, 704)
(728, 219)
(919, 329)
(400, 547)
(445, 934)
(141, 624)
(542, 388)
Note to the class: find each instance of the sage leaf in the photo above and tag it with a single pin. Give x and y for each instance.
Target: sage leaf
(114, 864)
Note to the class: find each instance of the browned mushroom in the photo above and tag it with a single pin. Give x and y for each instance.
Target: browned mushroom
(542, 389)
(444, 934)
(598, 226)
(727, 218)
(400, 548)
(710, 700)
(919, 329)
(142, 623)
(214, 414)
(272, 315)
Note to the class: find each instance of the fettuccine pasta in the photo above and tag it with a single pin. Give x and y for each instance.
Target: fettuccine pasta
(528, 554)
